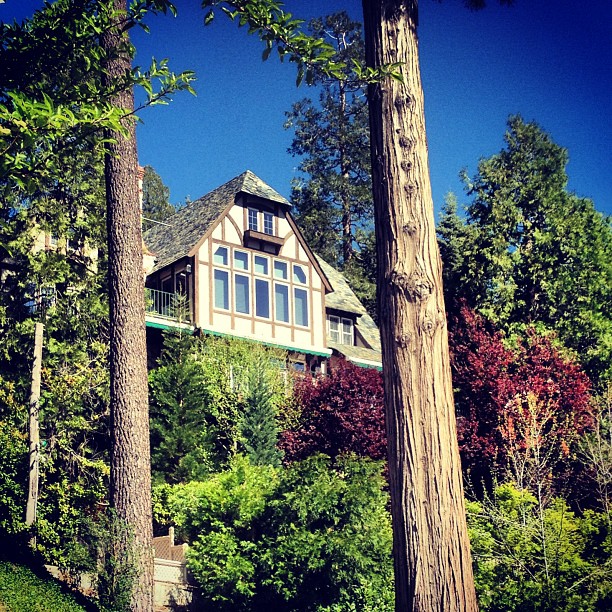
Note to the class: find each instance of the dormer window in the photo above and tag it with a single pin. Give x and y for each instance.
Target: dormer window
(340, 330)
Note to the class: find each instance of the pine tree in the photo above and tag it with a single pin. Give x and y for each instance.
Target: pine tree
(334, 202)
(155, 198)
(259, 424)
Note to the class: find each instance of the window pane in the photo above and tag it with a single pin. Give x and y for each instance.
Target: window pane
(280, 270)
(301, 307)
(268, 219)
(253, 224)
(347, 331)
(262, 298)
(281, 301)
(241, 260)
(261, 264)
(334, 332)
(242, 294)
(221, 289)
(299, 274)
(221, 256)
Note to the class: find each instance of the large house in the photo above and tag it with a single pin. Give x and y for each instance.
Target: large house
(242, 268)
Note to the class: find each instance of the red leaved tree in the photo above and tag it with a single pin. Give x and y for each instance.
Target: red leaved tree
(510, 398)
(339, 413)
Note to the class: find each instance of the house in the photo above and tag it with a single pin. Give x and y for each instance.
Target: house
(234, 263)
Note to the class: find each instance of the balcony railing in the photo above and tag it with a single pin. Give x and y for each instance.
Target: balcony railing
(168, 305)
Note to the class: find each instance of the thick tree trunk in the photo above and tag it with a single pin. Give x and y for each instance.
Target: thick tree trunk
(433, 569)
(130, 454)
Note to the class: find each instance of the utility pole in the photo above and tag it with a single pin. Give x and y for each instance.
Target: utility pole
(34, 439)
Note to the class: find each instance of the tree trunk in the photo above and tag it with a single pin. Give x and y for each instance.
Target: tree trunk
(433, 569)
(130, 487)
(347, 222)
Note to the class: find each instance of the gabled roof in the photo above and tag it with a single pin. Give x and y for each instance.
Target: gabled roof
(343, 299)
(191, 223)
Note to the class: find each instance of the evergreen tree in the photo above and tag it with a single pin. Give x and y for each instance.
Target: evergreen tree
(155, 198)
(331, 138)
(531, 252)
(259, 423)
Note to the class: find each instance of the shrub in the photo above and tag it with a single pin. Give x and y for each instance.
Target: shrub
(21, 590)
(339, 413)
(315, 536)
(530, 558)
(496, 389)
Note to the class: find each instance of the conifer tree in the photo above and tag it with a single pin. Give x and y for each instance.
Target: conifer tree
(259, 425)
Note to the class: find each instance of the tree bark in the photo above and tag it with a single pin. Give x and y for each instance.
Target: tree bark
(130, 486)
(433, 569)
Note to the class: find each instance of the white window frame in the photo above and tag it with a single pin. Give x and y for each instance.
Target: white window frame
(268, 223)
(253, 215)
(340, 335)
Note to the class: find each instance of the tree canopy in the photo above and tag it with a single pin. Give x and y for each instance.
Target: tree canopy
(531, 252)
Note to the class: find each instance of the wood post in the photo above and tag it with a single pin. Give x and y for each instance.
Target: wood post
(34, 454)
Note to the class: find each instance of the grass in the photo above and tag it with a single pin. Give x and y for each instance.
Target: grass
(21, 590)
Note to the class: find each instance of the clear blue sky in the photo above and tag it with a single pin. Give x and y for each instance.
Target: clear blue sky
(550, 61)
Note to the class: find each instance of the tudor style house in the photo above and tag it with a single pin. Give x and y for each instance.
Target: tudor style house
(242, 268)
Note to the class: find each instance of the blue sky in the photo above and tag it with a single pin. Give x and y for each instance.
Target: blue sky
(549, 61)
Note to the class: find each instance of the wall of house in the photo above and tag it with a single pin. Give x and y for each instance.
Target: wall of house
(283, 271)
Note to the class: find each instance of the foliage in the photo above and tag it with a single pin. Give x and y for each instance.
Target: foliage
(596, 451)
(258, 425)
(61, 285)
(199, 396)
(280, 31)
(14, 460)
(339, 413)
(527, 560)
(531, 252)
(52, 96)
(316, 536)
(155, 197)
(497, 389)
(21, 589)
(331, 139)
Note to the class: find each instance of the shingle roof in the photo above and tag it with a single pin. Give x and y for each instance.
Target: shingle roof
(190, 224)
(342, 298)
(358, 354)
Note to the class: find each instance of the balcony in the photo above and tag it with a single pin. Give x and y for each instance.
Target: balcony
(165, 305)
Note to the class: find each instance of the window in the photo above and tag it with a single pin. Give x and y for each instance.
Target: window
(347, 331)
(299, 274)
(221, 256)
(280, 270)
(334, 328)
(261, 265)
(340, 330)
(241, 260)
(301, 306)
(242, 294)
(281, 302)
(268, 223)
(253, 220)
(221, 289)
(262, 298)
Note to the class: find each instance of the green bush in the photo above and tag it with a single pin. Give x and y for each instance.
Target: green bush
(531, 558)
(23, 591)
(313, 537)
